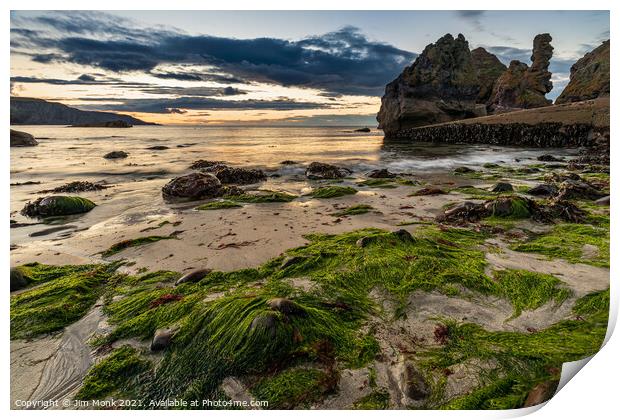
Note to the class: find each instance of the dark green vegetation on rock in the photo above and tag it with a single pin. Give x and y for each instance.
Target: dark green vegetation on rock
(376, 400)
(263, 197)
(293, 388)
(131, 243)
(589, 76)
(64, 296)
(112, 373)
(332, 191)
(378, 183)
(217, 205)
(57, 205)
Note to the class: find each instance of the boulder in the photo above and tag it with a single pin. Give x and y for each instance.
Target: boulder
(441, 85)
(57, 205)
(380, 173)
(193, 277)
(403, 235)
(265, 322)
(589, 77)
(318, 170)
(288, 162)
(520, 86)
(502, 187)
(22, 139)
(162, 339)
(194, 186)
(362, 130)
(117, 154)
(364, 241)
(157, 148)
(462, 170)
(463, 212)
(544, 190)
(513, 207)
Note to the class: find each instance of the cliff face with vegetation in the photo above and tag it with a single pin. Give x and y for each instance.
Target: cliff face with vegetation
(444, 83)
(523, 87)
(30, 111)
(488, 70)
(589, 77)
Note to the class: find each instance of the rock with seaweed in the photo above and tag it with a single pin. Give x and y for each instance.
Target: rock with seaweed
(318, 170)
(57, 205)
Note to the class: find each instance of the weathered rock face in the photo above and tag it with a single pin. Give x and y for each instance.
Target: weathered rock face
(22, 139)
(442, 85)
(589, 77)
(488, 70)
(520, 86)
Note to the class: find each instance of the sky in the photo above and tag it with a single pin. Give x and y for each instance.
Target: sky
(262, 67)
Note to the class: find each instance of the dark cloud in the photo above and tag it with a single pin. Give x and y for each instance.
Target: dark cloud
(197, 76)
(344, 61)
(164, 106)
(473, 17)
(86, 78)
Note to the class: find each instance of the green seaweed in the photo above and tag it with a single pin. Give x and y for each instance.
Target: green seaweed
(217, 205)
(332, 191)
(112, 373)
(292, 388)
(378, 183)
(378, 399)
(353, 210)
(263, 197)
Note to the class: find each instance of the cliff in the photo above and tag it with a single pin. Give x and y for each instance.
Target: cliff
(30, 111)
(589, 77)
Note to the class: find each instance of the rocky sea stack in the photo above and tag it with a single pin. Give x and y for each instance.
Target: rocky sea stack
(522, 87)
(442, 85)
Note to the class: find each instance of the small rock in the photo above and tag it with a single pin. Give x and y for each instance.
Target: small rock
(572, 189)
(463, 170)
(158, 148)
(463, 212)
(288, 162)
(193, 277)
(364, 241)
(267, 322)
(22, 139)
(429, 191)
(205, 164)
(362, 130)
(229, 175)
(602, 201)
(545, 190)
(502, 187)
(284, 305)
(162, 339)
(117, 154)
(549, 158)
(18, 281)
(403, 235)
(380, 173)
(77, 186)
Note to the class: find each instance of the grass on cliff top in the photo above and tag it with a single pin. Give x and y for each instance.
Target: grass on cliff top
(353, 210)
(113, 373)
(567, 240)
(130, 243)
(65, 295)
(217, 205)
(332, 192)
(523, 360)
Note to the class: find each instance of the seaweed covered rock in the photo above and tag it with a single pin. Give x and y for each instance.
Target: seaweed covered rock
(318, 170)
(589, 76)
(284, 305)
(463, 212)
(18, 280)
(502, 187)
(194, 186)
(441, 85)
(429, 191)
(510, 207)
(520, 86)
(22, 139)
(545, 190)
(57, 205)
